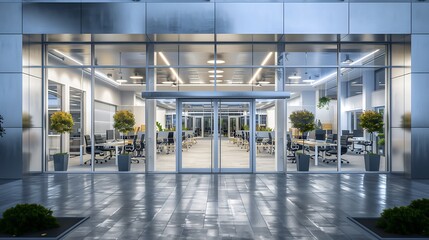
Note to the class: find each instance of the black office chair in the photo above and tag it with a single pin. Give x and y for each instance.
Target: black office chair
(292, 148)
(140, 147)
(88, 151)
(130, 148)
(343, 150)
(170, 142)
(105, 149)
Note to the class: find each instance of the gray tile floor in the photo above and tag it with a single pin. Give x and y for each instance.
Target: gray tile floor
(200, 206)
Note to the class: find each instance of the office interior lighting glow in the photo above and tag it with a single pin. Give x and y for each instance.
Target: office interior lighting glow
(260, 69)
(217, 76)
(218, 61)
(171, 69)
(217, 71)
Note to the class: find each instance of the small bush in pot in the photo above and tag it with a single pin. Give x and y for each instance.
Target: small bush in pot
(124, 122)
(303, 120)
(61, 122)
(24, 218)
(372, 122)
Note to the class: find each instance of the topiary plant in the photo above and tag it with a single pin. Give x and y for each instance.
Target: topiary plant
(24, 218)
(303, 120)
(124, 122)
(371, 121)
(2, 130)
(421, 205)
(62, 122)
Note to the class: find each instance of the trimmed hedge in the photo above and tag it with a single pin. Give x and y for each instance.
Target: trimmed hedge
(24, 218)
(406, 220)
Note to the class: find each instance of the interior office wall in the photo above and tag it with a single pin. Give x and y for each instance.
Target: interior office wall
(160, 115)
(271, 117)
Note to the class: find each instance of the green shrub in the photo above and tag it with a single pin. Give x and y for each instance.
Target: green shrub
(403, 220)
(421, 205)
(25, 218)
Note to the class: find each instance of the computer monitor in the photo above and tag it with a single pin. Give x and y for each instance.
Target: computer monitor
(357, 133)
(109, 135)
(320, 135)
(117, 134)
(311, 135)
(345, 132)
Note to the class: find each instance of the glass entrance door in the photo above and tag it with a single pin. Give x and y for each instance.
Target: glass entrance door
(217, 143)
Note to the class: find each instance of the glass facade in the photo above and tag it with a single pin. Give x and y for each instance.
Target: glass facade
(94, 79)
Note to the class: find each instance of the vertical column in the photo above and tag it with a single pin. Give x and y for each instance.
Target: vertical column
(11, 164)
(417, 165)
(281, 113)
(150, 111)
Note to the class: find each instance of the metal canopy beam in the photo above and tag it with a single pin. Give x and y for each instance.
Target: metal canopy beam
(217, 95)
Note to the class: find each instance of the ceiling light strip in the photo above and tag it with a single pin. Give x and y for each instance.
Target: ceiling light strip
(171, 69)
(325, 79)
(260, 69)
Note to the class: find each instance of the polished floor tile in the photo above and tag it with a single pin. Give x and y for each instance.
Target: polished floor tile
(204, 206)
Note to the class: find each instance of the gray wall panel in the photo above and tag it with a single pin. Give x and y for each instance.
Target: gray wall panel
(11, 53)
(249, 18)
(420, 18)
(419, 53)
(11, 154)
(398, 151)
(398, 95)
(32, 150)
(420, 152)
(380, 18)
(180, 18)
(420, 100)
(10, 18)
(11, 99)
(316, 18)
(129, 18)
(51, 18)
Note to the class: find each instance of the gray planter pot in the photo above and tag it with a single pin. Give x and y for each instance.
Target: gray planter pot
(303, 162)
(124, 162)
(61, 162)
(372, 162)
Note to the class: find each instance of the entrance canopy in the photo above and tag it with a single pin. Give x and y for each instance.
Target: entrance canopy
(217, 95)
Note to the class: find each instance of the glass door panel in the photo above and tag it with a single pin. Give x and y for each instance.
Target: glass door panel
(234, 152)
(197, 152)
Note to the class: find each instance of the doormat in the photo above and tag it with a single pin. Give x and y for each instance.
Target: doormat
(67, 224)
(369, 225)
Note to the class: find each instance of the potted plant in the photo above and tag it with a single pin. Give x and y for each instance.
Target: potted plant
(61, 122)
(124, 122)
(303, 120)
(159, 126)
(2, 130)
(372, 122)
(323, 102)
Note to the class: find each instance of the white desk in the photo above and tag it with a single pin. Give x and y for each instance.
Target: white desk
(314, 144)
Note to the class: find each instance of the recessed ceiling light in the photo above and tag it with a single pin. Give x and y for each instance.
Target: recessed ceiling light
(136, 77)
(218, 81)
(308, 80)
(218, 76)
(264, 82)
(167, 82)
(217, 71)
(294, 77)
(218, 61)
(121, 80)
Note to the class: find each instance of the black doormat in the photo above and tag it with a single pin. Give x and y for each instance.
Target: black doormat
(66, 225)
(369, 225)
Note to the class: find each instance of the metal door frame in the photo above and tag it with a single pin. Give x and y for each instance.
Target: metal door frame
(215, 146)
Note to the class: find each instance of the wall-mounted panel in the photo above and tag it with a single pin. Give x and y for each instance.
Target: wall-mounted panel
(419, 152)
(51, 18)
(11, 154)
(420, 18)
(127, 18)
(398, 95)
(419, 100)
(380, 18)
(11, 99)
(180, 18)
(249, 18)
(419, 53)
(316, 18)
(10, 53)
(10, 18)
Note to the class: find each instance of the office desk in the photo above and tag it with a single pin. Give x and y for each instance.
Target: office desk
(118, 143)
(314, 144)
